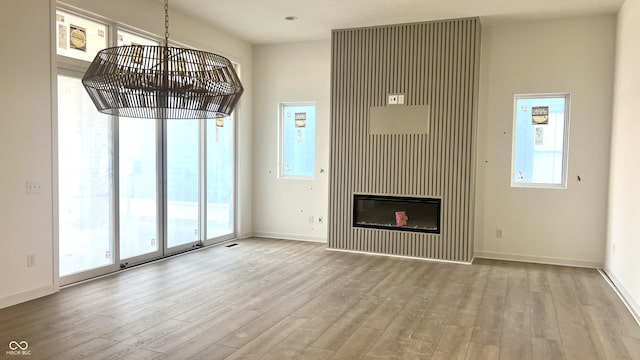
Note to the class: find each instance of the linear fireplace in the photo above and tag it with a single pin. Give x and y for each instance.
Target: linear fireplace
(397, 213)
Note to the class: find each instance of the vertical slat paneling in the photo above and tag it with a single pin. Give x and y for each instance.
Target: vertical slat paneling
(433, 64)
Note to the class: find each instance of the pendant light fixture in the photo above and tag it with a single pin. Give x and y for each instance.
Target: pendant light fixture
(164, 82)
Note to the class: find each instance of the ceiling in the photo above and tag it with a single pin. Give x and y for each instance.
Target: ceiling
(262, 21)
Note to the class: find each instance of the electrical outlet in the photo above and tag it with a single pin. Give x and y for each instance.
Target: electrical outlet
(33, 187)
(152, 242)
(395, 99)
(31, 260)
(499, 233)
(107, 255)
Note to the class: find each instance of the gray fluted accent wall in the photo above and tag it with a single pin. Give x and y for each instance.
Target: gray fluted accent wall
(434, 64)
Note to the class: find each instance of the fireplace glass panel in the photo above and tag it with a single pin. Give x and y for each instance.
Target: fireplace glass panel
(397, 213)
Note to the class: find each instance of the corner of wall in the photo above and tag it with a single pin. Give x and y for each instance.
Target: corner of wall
(623, 230)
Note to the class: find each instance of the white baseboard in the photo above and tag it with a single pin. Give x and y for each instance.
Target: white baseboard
(400, 256)
(537, 259)
(246, 235)
(26, 296)
(623, 294)
(298, 237)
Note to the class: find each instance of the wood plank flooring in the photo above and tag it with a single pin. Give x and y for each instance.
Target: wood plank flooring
(271, 299)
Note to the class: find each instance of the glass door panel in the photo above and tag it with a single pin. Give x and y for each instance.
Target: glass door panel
(85, 181)
(138, 187)
(182, 178)
(220, 178)
(130, 190)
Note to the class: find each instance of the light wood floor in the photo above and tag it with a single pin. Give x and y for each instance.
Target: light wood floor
(267, 299)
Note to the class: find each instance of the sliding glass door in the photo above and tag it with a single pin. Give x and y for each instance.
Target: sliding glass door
(220, 179)
(138, 189)
(85, 182)
(169, 187)
(183, 183)
(132, 190)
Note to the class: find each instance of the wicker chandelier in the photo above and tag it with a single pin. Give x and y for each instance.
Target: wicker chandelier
(165, 82)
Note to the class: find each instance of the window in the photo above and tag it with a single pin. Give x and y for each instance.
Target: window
(78, 37)
(220, 176)
(182, 178)
(297, 140)
(85, 180)
(138, 178)
(131, 190)
(540, 139)
(138, 187)
(128, 38)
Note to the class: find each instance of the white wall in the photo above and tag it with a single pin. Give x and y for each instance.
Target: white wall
(290, 73)
(566, 55)
(26, 225)
(25, 151)
(623, 240)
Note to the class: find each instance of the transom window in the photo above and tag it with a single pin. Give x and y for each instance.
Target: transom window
(79, 37)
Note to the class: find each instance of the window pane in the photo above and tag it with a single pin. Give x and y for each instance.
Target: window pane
(85, 181)
(138, 204)
(298, 143)
(127, 38)
(79, 38)
(220, 177)
(539, 153)
(182, 181)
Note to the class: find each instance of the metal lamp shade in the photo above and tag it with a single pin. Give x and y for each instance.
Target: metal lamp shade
(162, 82)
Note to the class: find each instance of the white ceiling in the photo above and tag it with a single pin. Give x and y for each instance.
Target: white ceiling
(262, 21)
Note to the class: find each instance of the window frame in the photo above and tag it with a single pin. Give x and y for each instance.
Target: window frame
(565, 143)
(281, 139)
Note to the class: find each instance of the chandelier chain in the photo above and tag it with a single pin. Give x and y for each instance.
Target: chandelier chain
(166, 22)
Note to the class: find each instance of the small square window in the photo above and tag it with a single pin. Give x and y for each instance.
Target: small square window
(540, 138)
(297, 141)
